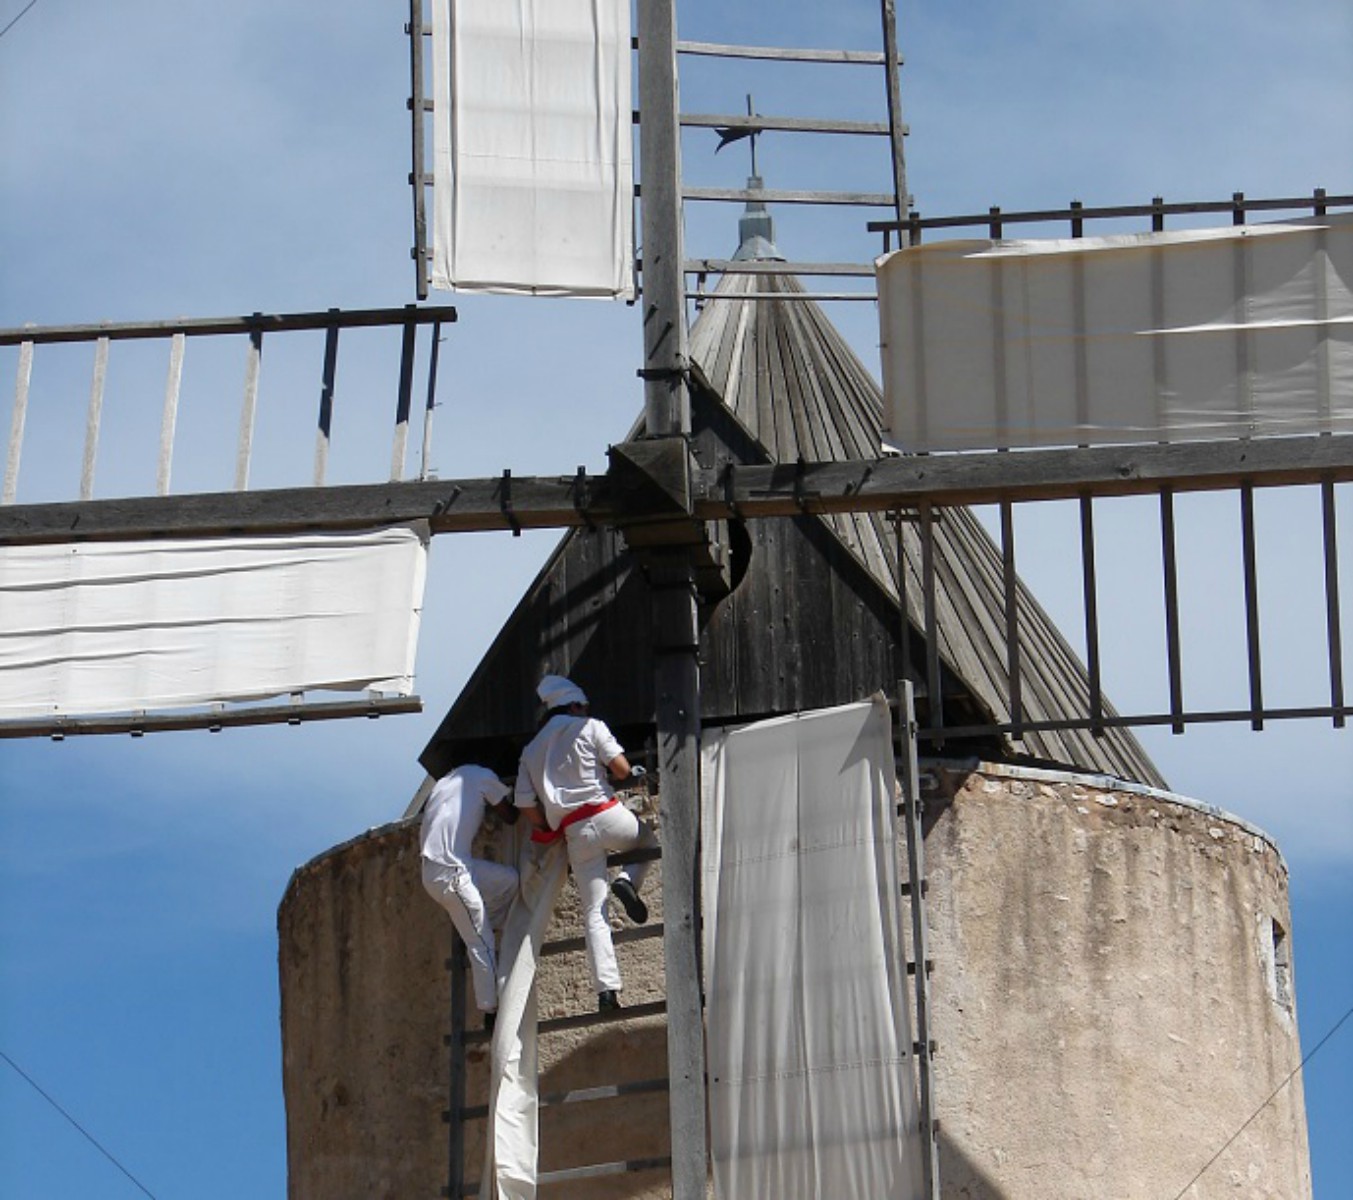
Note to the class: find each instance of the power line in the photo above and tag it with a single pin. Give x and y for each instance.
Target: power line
(34, 1084)
(16, 20)
(1266, 1103)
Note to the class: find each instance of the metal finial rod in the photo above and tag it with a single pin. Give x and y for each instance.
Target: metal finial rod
(751, 112)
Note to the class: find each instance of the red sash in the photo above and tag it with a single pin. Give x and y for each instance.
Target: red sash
(572, 817)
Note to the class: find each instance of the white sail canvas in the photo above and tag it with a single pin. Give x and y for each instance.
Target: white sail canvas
(533, 177)
(100, 627)
(1200, 334)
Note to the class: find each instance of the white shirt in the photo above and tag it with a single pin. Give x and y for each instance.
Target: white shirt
(564, 766)
(455, 810)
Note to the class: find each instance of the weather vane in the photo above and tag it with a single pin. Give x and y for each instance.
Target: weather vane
(736, 134)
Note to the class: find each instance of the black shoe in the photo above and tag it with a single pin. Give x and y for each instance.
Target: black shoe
(607, 1001)
(489, 1018)
(635, 909)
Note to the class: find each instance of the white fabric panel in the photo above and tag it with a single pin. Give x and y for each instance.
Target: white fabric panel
(512, 1137)
(811, 1085)
(1215, 333)
(99, 627)
(533, 177)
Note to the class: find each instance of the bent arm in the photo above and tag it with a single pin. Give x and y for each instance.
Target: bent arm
(534, 814)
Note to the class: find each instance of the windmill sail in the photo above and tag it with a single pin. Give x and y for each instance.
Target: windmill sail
(533, 178)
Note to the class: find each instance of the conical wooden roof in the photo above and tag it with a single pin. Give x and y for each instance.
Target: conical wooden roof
(815, 619)
(788, 376)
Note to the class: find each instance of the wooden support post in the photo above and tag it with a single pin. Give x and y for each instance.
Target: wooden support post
(326, 403)
(677, 685)
(676, 633)
(1334, 635)
(666, 400)
(169, 419)
(1170, 569)
(403, 401)
(253, 362)
(16, 423)
(416, 97)
(1250, 559)
(93, 419)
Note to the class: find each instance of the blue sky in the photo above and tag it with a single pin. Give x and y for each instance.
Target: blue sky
(167, 158)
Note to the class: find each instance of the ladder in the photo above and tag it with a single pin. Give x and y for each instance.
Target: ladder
(461, 1039)
(919, 967)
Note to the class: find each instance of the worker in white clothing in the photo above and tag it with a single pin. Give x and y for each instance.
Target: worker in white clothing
(476, 892)
(564, 786)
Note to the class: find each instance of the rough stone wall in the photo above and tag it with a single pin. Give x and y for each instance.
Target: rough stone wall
(1106, 1005)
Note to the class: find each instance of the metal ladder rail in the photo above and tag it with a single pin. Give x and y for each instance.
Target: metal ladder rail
(919, 969)
(459, 1039)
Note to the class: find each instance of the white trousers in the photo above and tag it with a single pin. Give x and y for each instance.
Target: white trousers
(610, 832)
(477, 894)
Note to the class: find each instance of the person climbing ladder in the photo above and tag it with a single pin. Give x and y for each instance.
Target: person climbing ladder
(564, 784)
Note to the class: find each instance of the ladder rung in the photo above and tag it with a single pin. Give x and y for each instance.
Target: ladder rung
(641, 1087)
(568, 945)
(640, 933)
(596, 1171)
(656, 1008)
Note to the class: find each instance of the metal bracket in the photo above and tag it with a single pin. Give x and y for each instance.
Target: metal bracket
(730, 492)
(443, 505)
(505, 503)
(801, 494)
(582, 498)
(658, 374)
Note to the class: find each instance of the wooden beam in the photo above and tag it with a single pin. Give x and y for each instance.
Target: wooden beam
(1317, 202)
(780, 196)
(870, 58)
(562, 502)
(136, 724)
(451, 506)
(759, 124)
(362, 318)
(880, 485)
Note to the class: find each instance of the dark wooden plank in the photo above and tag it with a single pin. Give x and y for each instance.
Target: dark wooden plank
(207, 326)
(1251, 569)
(986, 478)
(137, 724)
(1010, 581)
(1315, 203)
(934, 687)
(1173, 649)
(1090, 592)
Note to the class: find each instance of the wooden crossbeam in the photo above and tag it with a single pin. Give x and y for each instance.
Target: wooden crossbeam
(751, 492)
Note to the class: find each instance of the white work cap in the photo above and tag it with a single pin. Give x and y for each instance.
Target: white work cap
(557, 692)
